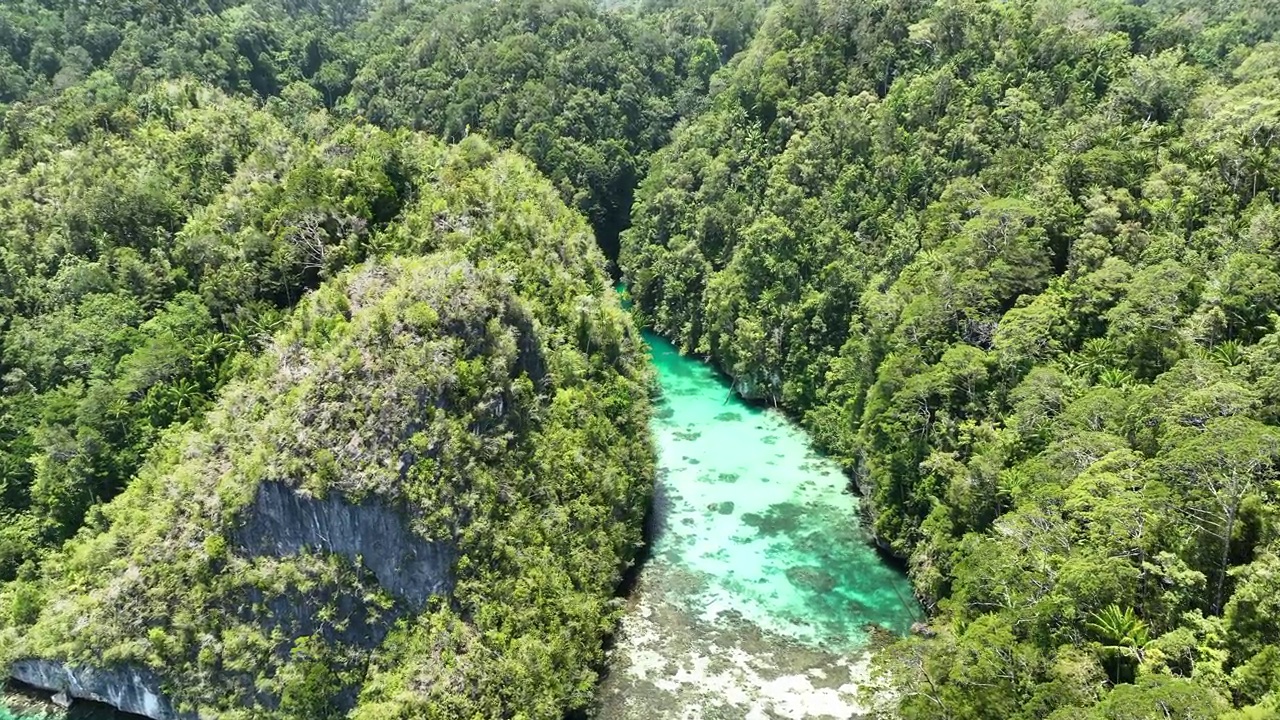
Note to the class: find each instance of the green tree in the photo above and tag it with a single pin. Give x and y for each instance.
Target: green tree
(1124, 635)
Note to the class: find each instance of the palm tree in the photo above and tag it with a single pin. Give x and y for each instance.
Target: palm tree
(210, 348)
(119, 409)
(239, 336)
(185, 397)
(597, 286)
(1113, 378)
(266, 323)
(1094, 357)
(1125, 632)
(1228, 353)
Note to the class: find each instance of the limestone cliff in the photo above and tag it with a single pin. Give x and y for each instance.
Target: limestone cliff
(416, 503)
(131, 689)
(283, 522)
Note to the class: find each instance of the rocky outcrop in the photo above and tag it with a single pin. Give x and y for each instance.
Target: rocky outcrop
(283, 522)
(297, 552)
(131, 689)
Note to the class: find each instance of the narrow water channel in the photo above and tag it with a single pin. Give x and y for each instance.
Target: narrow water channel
(761, 596)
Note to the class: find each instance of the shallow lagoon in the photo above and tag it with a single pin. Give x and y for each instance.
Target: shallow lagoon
(761, 591)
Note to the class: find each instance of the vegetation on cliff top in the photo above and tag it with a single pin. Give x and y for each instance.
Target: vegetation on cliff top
(152, 227)
(490, 389)
(1013, 263)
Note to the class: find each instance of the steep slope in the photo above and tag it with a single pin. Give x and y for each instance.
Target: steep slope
(149, 243)
(1014, 264)
(416, 502)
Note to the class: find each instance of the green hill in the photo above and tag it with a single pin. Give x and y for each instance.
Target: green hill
(416, 501)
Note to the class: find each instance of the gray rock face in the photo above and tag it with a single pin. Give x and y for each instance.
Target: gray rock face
(131, 689)
(281, 522)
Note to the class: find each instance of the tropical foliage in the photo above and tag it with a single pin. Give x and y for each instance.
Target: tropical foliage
(1012, 263)
(490, 391)
(588, 95)
(1015, 265)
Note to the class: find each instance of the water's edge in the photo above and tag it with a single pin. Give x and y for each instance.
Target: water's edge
(757, 593)
(23, 702)
(762, 594)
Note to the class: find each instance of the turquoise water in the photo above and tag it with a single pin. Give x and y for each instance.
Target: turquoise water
(766, 523)
(762, 599)
(761, 592)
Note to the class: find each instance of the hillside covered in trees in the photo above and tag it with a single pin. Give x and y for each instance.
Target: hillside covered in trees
(125, 297)
(432, 419)
(1013, 264)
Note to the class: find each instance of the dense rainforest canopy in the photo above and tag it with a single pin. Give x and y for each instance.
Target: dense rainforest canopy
(488, 389)
(127, 288)
(587, 94)
(1014, 264)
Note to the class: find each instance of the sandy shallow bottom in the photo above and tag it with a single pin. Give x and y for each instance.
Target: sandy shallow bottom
(669, 663)
(761, 596)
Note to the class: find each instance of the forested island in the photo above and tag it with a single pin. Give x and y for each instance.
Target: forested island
(317, 399)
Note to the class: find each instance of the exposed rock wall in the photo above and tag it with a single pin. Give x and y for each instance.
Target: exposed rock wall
(282, 522)
(131, 689)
